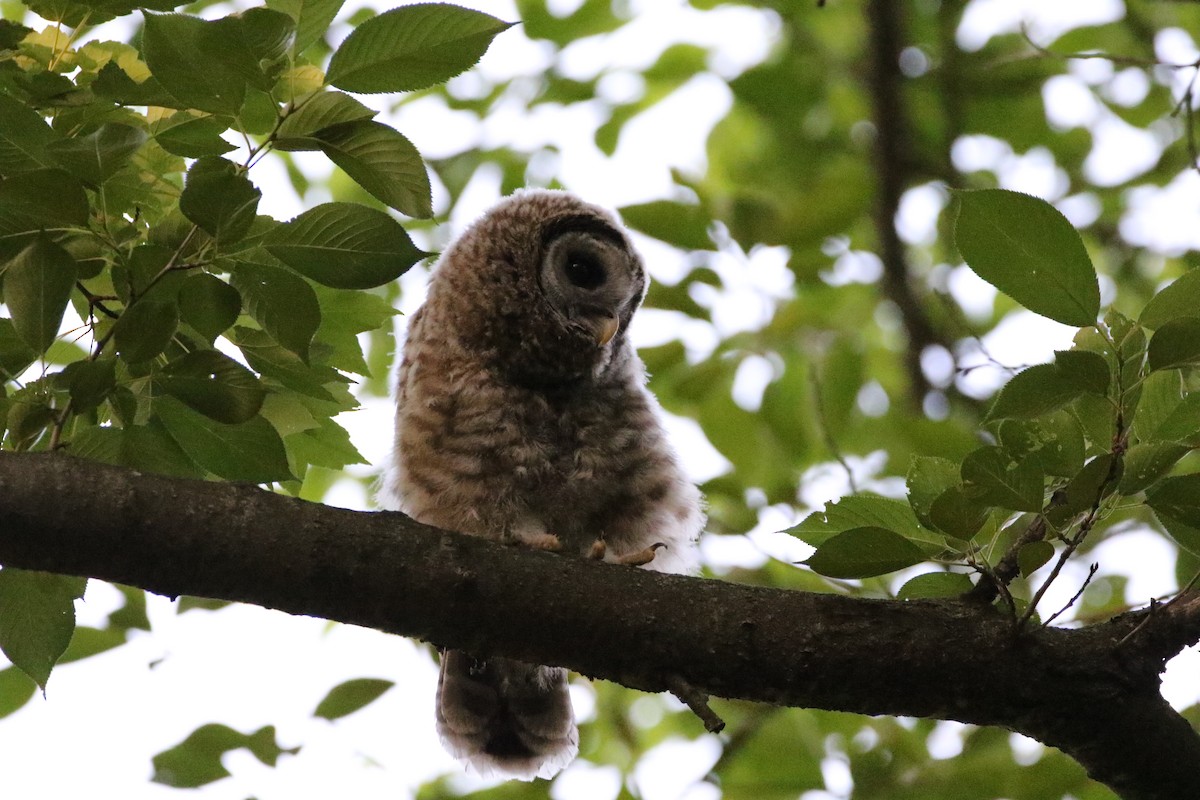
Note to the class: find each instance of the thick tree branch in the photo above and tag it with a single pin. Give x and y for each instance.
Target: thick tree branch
(1092, 693)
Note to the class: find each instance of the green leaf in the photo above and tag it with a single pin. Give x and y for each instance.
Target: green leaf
(685, 226)
(250, 451)
(16, 689)
(957, 514)
(864, 553)
(215, 385)
(934, 585)
(209, 304)
(863, 511)
(1175, 344)
(24, 136)
(220, 199)
(927, 478)
(35, 201)
(15, 355)
(1086, 490)
(1085, 368)
(200, 136)
(1027, 249)
(991, 477)
(1185, 535)
(1177, 498)
(282, 302)
(1181, 298)
(344, 245)
(412, 47)
(381, 160)
(318, 112)
(196, 760)
(115, 84)
(1161, 394)
(145, 329)
(37, 286)
(1037, 390)
(37, 618)
(1145, 463)
(89, 382)
(1054, 442)
(95, 157)
(348, 697)
(327, 445)
(188, 61)
(312, 19)
(146, 449)
(1183, 424)
(1033, 555)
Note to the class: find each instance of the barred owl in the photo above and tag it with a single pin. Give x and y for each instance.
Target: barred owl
(522, 416)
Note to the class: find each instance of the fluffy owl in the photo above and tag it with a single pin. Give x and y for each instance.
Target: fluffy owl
(522, 416)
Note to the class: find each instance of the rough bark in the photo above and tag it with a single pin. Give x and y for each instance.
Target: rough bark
(1092, 692)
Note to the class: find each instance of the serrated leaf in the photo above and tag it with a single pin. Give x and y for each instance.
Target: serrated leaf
(145, 329)
(15, 355)
(1161, 394)
(196, 760)
(934, 585)
(281, 301)
(412, 47)
(927, 478)
(146, 449)
(327, 445)
(345, 246)
(24, 136)
(381, 160)
(991, 477)
(1034, 391)
(94, 158)
(115, 84)
(1184, 535)
(1180, 298)
(864, 553)
(220, 199)
(1084, 368)
(1033, 555)
(859, 511)
(350, 696)
(316, 113)
(312, 19)
(1054, 442)
(215, 385)
(37, 618)
(957, 514)
(188, 62)
(41, 199)
(1147, 462)
(89, 382)
(195, 138)
(250, 451)
(1177, 498)
(1027, 249)
(1086, 490)
(209, 304)
(1175, 344)
(37, 286)
(1183, 424)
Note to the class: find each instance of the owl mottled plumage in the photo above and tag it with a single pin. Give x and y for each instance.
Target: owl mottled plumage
(523, 416)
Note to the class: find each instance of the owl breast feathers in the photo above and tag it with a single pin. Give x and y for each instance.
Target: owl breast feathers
(522, 416)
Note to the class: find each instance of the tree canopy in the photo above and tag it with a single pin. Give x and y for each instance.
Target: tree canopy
(892, 196)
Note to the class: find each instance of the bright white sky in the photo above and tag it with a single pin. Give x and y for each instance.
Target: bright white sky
(104, 718)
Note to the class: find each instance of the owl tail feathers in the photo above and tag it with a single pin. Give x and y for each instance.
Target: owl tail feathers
(504, 717)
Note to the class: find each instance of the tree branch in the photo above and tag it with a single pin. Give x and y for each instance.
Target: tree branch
(1092, 692)
(892, 158)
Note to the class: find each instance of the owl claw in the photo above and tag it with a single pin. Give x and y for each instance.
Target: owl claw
(641, 557)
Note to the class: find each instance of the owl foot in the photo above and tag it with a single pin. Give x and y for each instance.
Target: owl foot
(641, 557)
(597, 550)
(535, 540)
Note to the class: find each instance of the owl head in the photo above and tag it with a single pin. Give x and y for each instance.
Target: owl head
(542, 287)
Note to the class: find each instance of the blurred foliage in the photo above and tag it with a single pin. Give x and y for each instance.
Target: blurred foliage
(1098, 444)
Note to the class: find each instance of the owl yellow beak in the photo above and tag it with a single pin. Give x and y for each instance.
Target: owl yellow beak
(606, 330)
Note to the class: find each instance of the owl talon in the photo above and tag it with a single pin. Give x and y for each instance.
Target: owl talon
(641, 557)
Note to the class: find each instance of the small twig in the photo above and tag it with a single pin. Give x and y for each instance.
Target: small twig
(1091, 573)
(697, 701)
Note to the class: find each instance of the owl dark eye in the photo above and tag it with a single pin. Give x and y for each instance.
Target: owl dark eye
(584, 270)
